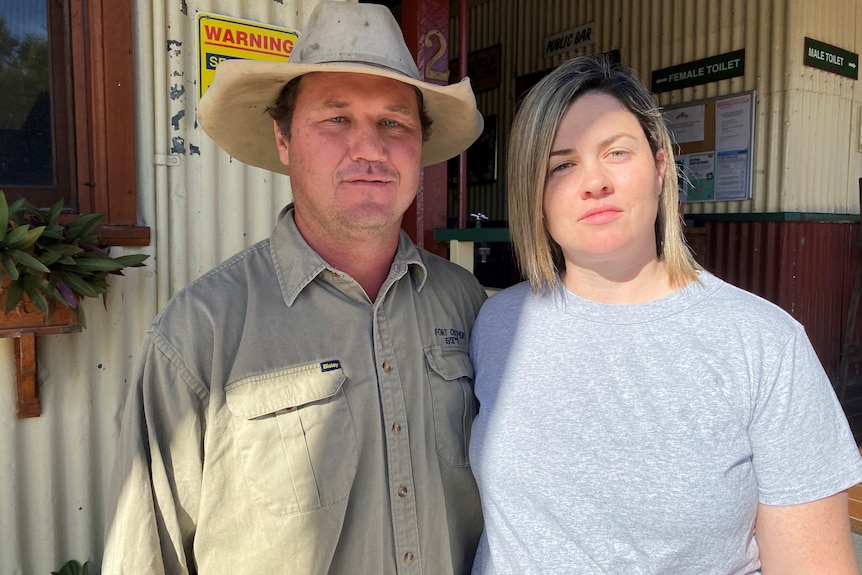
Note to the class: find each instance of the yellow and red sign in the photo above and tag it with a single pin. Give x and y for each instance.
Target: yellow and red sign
(222, 38)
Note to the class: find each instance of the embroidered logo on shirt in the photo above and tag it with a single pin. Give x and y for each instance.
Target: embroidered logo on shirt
(330, 365)
(450, 336)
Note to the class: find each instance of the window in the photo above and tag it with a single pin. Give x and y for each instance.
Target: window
(67, 119)
(34, 139)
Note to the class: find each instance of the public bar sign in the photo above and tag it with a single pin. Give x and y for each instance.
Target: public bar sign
(831, 58)
(223, 38)
(570, 39)
(712, 69)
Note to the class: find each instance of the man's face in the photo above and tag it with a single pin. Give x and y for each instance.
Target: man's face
(354, 153)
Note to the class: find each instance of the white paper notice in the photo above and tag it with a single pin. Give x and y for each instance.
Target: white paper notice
(686, 124)
(732, 171)
(733, 123)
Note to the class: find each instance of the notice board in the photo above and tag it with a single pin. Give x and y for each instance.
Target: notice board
(714, 141)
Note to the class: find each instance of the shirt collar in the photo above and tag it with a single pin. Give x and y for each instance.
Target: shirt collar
(297, 264)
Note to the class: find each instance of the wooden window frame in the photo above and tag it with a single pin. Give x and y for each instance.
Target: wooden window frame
(104, 112)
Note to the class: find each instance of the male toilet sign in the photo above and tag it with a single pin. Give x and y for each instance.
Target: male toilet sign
(223, 38)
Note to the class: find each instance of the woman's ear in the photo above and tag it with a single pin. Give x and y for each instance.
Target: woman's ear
(660, 168)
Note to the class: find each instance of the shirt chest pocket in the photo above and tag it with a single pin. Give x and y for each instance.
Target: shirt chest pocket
(450, 378)
(296, 438)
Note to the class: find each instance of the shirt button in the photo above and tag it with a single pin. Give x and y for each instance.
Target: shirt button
(396, 429)
(408, 558)
(402, 491)
(386, 367)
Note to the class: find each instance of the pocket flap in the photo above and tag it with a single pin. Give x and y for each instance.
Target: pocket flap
(450, 363)
(263, 394)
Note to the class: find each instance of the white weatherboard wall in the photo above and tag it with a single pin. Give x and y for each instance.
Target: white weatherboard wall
(54, 469)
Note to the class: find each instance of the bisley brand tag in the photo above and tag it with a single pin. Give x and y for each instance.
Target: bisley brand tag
(330, 365)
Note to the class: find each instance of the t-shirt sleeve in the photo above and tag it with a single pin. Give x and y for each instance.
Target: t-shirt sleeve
(802, 446)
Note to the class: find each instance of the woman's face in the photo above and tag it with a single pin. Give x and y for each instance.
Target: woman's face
(603, 185)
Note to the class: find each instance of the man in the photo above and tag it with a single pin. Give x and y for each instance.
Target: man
(306, 406)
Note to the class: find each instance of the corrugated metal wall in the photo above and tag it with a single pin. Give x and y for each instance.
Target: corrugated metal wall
(803, 114)
(53, 469)
(209, 206)
(822, 174)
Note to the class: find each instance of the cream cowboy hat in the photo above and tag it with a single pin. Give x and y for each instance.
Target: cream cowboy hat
(338, 37)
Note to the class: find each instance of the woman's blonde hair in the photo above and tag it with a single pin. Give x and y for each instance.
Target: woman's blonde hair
(539, 257)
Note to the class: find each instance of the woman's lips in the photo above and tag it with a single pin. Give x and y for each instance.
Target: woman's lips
(600, 215)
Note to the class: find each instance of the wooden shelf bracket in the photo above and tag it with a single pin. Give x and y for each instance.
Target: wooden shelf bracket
(24, 324)
(25, 370)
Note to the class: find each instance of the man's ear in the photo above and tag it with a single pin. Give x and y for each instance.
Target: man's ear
(281, 143)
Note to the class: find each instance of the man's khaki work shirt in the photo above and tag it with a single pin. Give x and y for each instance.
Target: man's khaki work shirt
(281, 422)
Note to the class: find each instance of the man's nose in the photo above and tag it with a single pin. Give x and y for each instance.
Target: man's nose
(367, 143)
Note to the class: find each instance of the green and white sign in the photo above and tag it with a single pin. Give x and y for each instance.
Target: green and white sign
(712, 69)
(831, 58)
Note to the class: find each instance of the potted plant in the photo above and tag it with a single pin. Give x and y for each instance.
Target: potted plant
(49, 263)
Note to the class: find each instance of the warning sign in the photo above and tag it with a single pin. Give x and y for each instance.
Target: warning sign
(222, 38)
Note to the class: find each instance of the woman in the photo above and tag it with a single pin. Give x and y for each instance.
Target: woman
(639, 415)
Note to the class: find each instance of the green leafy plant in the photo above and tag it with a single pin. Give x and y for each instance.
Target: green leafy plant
(53, 262)
(74, 568)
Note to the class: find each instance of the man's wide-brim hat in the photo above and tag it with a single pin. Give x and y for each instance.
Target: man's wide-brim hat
(338, 37)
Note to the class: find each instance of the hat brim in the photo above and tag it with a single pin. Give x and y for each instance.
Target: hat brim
(233, 110)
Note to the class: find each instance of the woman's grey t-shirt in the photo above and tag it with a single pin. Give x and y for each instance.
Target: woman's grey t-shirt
(641, 438)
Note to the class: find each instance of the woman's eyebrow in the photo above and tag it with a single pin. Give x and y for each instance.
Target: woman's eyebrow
(606, 142)
(618, 136)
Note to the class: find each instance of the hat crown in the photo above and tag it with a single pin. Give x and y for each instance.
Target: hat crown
(339, 37)
(332, 36)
